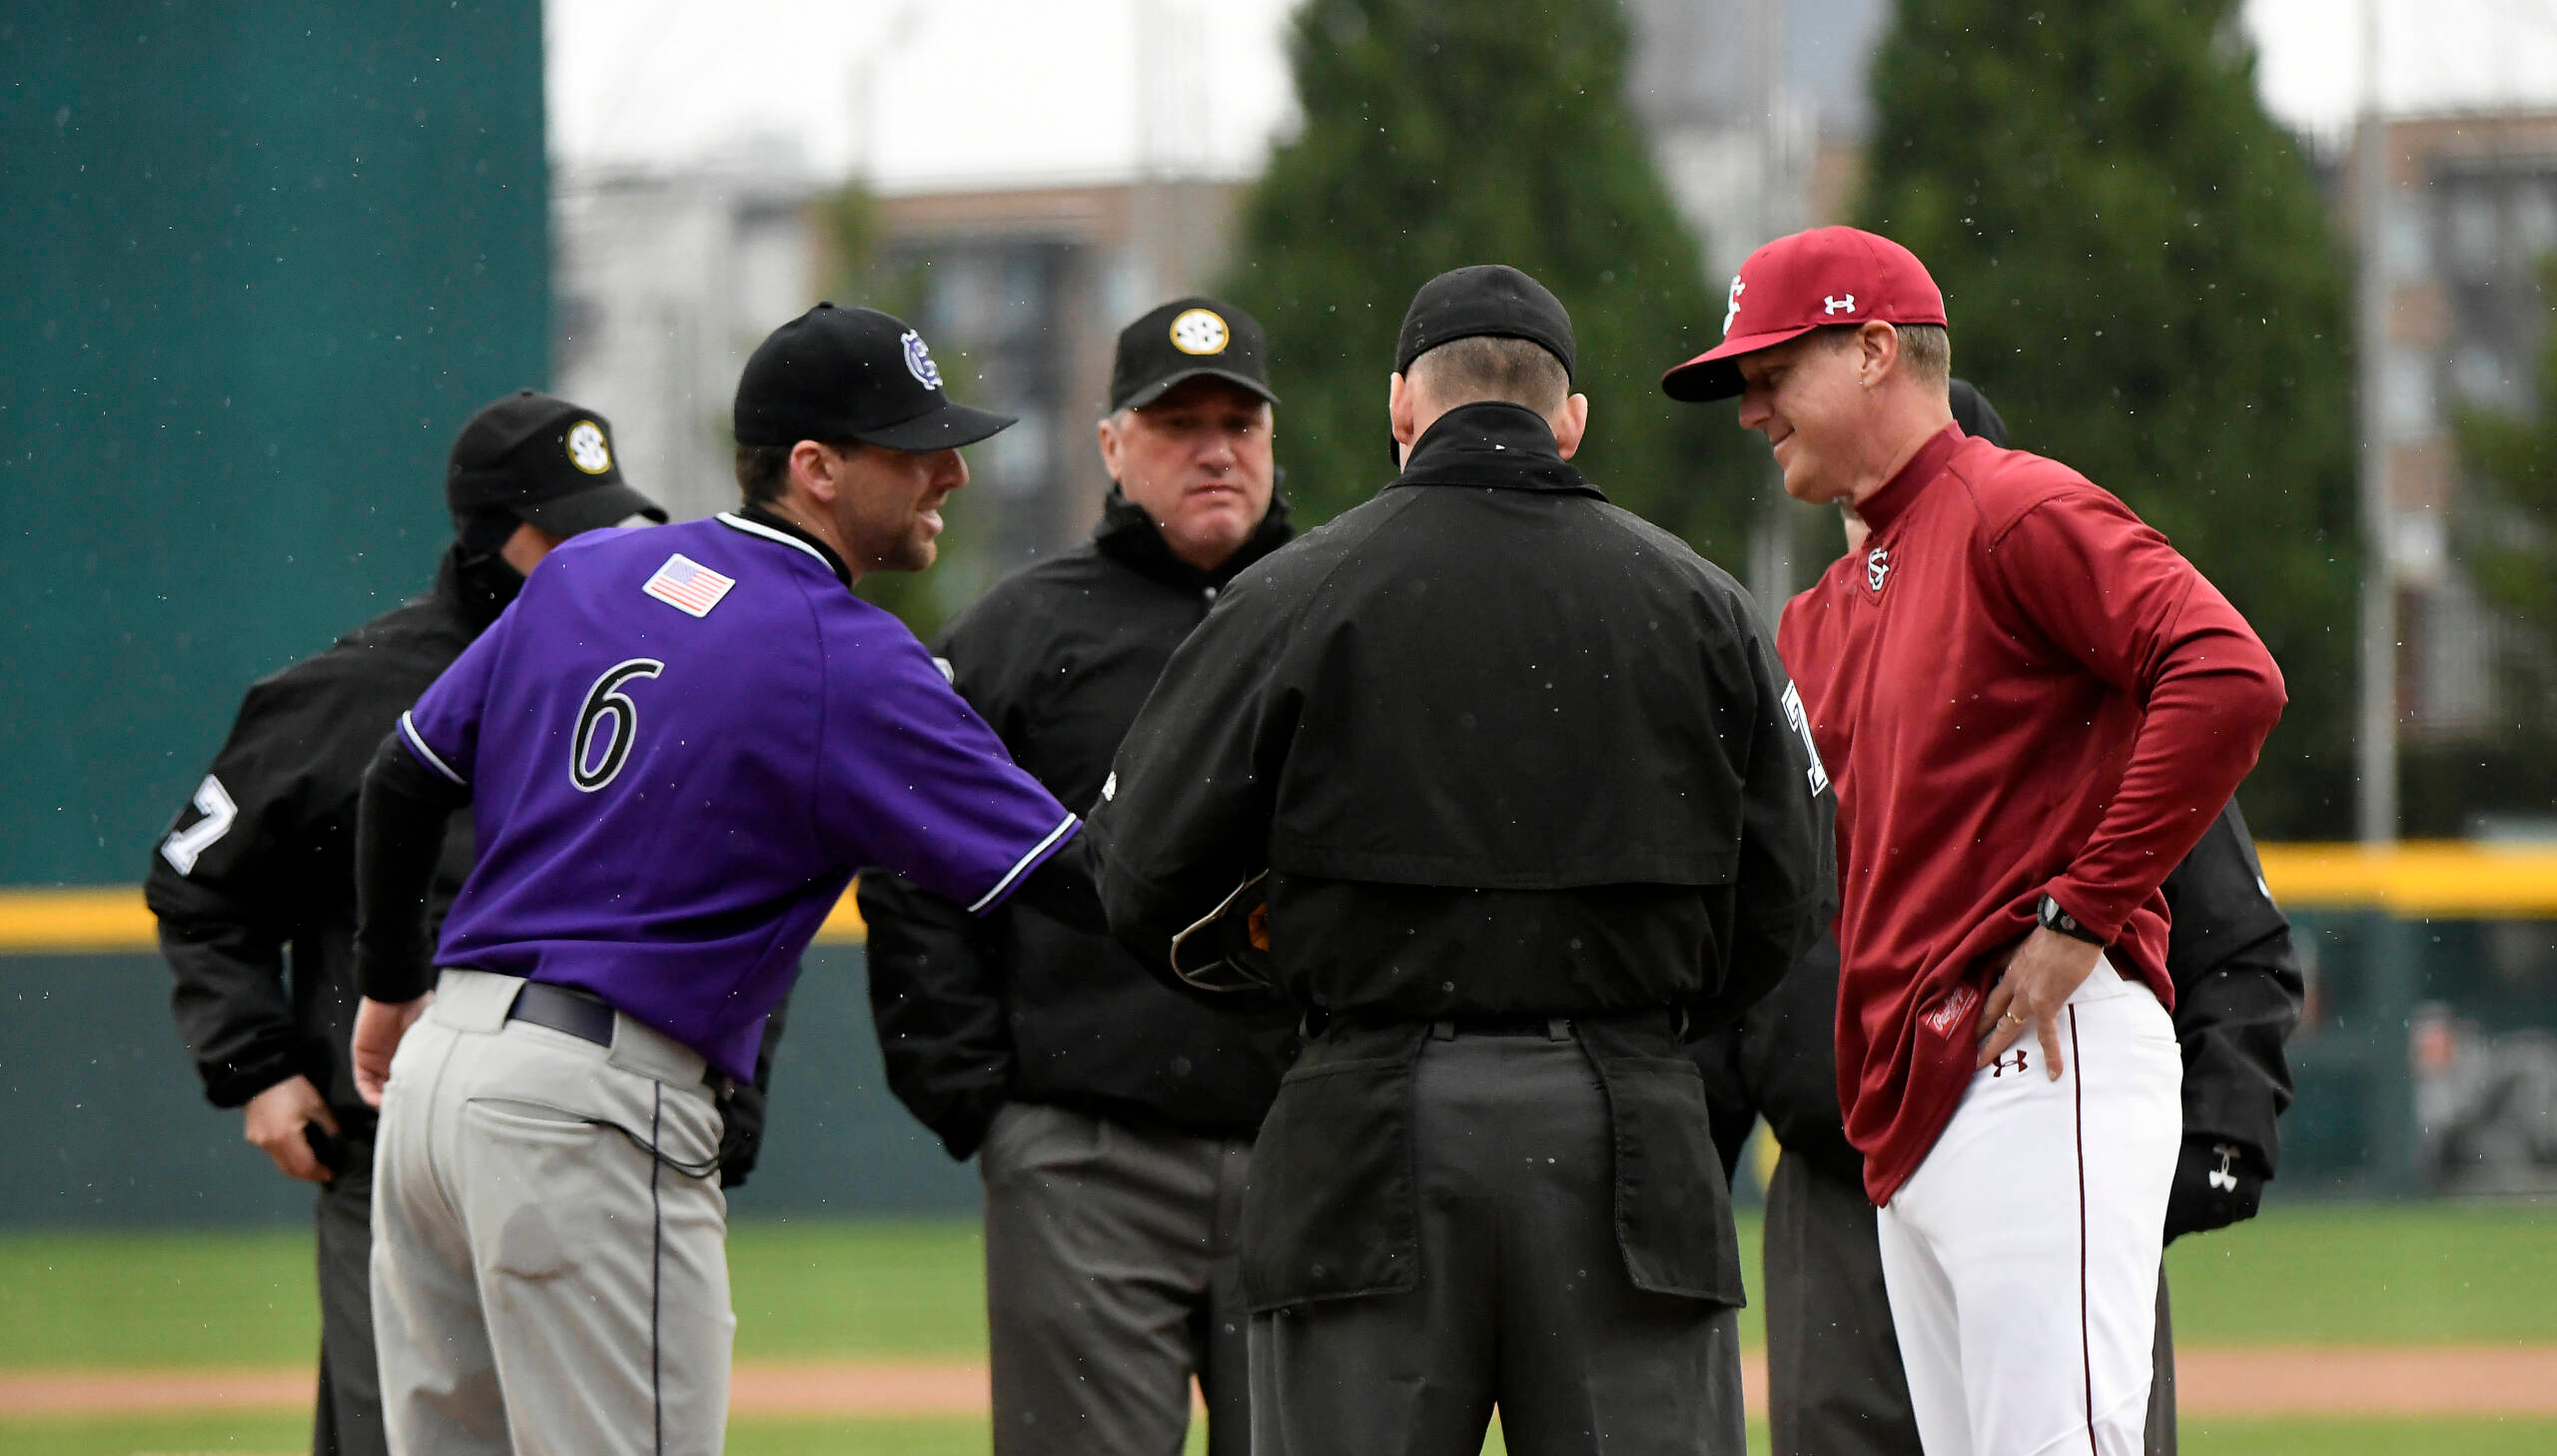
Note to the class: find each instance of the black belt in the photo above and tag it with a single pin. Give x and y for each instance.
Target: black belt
(585, 1016)
(581, 1013)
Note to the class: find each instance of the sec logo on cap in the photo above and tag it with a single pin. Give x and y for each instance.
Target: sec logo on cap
(1200, 330)
(586, 449)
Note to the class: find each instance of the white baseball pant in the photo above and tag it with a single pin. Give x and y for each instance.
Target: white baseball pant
(2021, 1257)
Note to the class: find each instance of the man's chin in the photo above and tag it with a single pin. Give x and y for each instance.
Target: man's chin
(1808, 489)
(916, 555)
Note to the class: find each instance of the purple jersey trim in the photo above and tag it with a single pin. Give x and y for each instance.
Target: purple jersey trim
(408, 730)
(1024, 865)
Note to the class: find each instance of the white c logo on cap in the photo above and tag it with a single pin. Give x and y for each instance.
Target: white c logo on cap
(919, 360)
(1732, 314)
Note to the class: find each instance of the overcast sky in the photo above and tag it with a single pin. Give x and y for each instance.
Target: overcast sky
(974, 92)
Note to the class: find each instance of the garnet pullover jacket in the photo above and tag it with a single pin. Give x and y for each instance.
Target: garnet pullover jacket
(2021, 688)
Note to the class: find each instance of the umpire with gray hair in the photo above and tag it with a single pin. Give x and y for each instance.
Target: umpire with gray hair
(1115, 1119)
(1494, 784)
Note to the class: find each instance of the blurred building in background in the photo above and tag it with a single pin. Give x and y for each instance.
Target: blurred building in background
(1030, 289)
(667, 281)
(1757, 112)
(664, 283)
(2471, 215)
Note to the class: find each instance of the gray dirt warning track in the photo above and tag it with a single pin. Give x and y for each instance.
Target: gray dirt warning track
(2462, 1380)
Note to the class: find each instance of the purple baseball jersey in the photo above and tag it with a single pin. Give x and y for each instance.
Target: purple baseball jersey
(681, 742)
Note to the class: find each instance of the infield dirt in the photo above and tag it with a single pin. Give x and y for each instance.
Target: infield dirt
(2449, 1380)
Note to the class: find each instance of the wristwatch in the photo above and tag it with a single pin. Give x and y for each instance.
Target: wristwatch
(2053, 918)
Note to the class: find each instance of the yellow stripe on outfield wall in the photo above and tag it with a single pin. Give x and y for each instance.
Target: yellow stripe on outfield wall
(104, 918)
(107, 919)
(2437, 879)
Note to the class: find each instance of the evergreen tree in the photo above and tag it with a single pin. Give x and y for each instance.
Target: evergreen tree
(2141, 275)
(1443, 133)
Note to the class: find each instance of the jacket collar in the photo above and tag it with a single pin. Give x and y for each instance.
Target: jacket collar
(1130, 537)
(1903, 489)
(755, 520)
(1493, 444)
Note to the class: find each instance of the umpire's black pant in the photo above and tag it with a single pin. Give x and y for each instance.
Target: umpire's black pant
(349, 1419)
(1834, 1380)
(1523, 1302)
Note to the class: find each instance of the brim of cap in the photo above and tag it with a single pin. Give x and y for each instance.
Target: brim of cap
(1713, 376)
(610, 503)
(948, 427)
(1140, 398)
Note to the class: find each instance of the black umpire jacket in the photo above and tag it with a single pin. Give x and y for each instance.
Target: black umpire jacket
(1058, 658)
(281, 872)
(2237, 1000)
(1504, 749)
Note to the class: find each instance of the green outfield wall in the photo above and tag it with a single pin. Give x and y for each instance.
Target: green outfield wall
(2424, 1064)
(102, 1120)
(262, 259)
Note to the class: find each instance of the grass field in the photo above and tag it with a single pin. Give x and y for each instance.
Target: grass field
(2308, 1275)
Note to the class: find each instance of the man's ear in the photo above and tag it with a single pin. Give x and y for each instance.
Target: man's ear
(1570, 423)
(1108, 434)
(1878, 349)
(1399, 408)
(818, 469)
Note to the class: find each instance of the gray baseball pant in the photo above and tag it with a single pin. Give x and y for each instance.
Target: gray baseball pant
(348, 1421)
(543, 1282)
(1111, 1281)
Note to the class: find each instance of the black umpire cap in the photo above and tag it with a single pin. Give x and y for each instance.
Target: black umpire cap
(1488, 299)
(852, 373)
(1185, 339)
(541, 458)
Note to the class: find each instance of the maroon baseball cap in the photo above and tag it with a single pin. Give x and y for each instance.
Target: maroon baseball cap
(1803, 282)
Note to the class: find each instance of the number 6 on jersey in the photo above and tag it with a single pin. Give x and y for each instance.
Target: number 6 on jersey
(587, 769)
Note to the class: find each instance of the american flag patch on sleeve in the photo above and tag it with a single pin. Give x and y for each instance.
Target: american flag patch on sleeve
(688, 585)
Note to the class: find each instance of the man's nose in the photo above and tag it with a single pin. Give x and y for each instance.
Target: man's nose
(1753, 409)
(954, 470)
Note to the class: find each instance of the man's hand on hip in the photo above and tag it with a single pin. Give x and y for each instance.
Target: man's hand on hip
(378, 1027)
(273, 1121)
(2040, 977)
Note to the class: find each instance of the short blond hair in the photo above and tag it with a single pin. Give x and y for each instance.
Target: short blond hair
(1929, 348)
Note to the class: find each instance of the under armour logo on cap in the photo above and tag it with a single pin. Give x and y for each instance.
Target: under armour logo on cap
(1834, 305)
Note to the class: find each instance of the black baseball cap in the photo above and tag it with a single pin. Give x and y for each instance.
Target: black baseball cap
(543, 459)
(1488, 299)
(1184, 339)
(852, 373)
